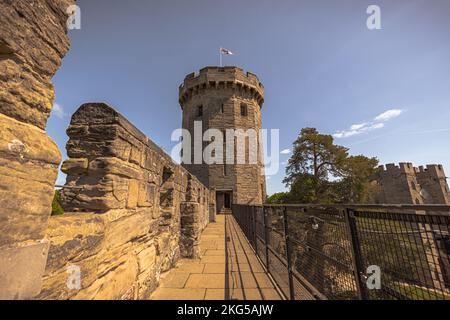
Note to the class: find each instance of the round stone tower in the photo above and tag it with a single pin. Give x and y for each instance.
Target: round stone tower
(225, 98)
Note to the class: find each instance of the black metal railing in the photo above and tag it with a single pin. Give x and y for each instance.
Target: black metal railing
(352, 252)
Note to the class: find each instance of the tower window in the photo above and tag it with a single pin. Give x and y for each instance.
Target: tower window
(244, 110)
(200, 111)
(222, 108)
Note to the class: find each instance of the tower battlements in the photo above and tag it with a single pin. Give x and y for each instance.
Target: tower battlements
(215, 78)
(403, 167)
(435, 170)
(432, 169)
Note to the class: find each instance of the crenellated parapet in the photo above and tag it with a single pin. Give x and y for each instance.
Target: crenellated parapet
(233, 79)
(401, 168)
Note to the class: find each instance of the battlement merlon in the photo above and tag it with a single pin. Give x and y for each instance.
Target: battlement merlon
(435, 170)
(391, 168)
(218, 78)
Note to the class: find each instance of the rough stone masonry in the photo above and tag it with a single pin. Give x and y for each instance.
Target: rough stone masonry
(131, 212)
(33, 41)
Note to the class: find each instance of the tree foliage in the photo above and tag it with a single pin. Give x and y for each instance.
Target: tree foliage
(278, 198)
(320, 171)
(355, 185)
(56, 204)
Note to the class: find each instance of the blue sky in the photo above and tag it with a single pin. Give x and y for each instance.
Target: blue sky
(319, 63)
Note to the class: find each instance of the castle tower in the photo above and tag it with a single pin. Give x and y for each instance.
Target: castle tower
(223, 99)
(433, 182)
(406, 184)
(399, 184)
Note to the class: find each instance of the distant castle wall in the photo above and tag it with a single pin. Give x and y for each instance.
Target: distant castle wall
(408, 184)
(131, 212)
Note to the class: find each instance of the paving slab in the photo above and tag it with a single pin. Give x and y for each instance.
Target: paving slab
(224, 270)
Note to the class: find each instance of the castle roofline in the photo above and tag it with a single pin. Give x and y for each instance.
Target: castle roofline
(226, 69)
(408, 167)
(213, 77)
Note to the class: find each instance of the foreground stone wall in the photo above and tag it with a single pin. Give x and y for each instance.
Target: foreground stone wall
(33, 41)
(132, 212)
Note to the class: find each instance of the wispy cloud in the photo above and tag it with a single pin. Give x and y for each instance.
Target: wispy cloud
(377, 123)
(388, 115)
(58, 111)
(286, 151)
(358, 126)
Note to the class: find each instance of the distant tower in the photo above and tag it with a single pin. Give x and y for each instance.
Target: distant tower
(433, 182)
(226, 98)
(399, 184)
(406, 184)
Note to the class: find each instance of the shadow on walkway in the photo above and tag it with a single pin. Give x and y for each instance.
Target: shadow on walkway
(247, 279)
(227, 270)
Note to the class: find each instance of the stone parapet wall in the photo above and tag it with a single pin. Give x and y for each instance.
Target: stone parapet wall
(33, 41)
(132, 212)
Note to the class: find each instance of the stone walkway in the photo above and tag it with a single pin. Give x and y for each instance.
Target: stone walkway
(225, 271)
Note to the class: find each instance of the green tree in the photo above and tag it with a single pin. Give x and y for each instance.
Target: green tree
(355, 185)
(56, 204)
(314, 161)
(320, 171)
(278, 198)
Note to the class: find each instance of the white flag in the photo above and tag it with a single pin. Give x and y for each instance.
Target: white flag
(226, 51)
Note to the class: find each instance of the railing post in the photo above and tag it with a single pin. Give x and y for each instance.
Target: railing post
(250, 223)
(266, 237)
(254, 229)
(288, 253)
(356, 254)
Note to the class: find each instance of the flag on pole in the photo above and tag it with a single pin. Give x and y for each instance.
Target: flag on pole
(226, 51)
(223, 52)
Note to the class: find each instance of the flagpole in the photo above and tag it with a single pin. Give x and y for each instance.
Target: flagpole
(220, 57)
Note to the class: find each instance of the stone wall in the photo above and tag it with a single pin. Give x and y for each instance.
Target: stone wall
(33, 41)
(132, 212)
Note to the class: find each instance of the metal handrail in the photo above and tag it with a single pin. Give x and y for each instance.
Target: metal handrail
(361, 229)
(414, 207)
